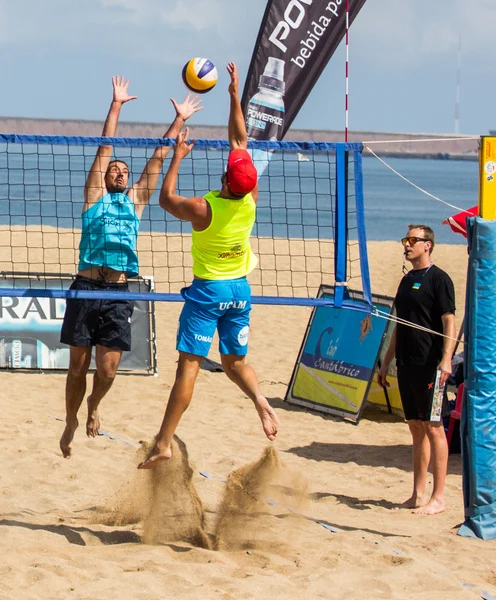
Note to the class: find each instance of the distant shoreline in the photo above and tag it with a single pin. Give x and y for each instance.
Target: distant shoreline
(433, 146)
(427, 156)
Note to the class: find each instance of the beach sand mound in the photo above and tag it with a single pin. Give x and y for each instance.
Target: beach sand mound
(164, 500)
(175, 511)
(253, 494)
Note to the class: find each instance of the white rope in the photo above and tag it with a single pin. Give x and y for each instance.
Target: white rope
(444, 139)
(413, 184)
(395, 319)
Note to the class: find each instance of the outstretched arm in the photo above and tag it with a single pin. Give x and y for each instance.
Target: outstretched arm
(95, 183)
(236, 128)
(196, 209)
(143, 189)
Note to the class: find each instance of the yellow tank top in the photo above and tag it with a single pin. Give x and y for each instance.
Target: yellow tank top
(222, 251)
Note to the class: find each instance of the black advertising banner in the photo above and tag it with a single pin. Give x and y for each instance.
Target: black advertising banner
(295, 42)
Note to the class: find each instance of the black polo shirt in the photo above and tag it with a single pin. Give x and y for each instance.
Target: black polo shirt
(423, 297)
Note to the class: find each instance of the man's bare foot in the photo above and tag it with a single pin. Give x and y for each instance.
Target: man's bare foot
(433, 507)
(267, 414)
(67, 437)
(93, 422)
(157, 454)
(415, 501)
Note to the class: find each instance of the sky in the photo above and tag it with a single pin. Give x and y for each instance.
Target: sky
(57, 58)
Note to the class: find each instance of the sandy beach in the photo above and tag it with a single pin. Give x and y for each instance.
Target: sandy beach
(313, 515)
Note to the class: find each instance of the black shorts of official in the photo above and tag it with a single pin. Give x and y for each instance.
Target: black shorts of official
(416, 385)
(88, 322)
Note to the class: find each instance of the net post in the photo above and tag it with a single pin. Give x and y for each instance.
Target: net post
(487, 177)
(361, 232)
(477, 434)
(340, 224)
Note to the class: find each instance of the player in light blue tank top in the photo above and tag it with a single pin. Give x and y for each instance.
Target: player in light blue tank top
(113, 219)
(110, 220)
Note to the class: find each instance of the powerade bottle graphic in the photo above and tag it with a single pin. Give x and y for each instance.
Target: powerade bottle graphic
(30, 353)
(265, 113)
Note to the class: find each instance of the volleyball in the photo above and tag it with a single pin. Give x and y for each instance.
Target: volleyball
(199, 75)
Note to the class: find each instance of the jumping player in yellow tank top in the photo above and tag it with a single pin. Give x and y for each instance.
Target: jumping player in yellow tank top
(219, 297)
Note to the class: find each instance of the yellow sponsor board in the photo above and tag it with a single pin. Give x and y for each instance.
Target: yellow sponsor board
(329, 389)
(487, 177)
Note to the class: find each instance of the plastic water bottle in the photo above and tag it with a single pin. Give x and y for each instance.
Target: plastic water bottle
(30, 353)
(265, 112)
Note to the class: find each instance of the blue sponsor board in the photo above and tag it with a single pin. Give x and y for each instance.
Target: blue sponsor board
(339, 353)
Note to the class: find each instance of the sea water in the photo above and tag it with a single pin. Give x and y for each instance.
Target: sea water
(391, 203)
(45, 186)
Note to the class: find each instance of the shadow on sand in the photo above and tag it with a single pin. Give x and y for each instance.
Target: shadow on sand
(397, 456)
(73, 534)
(370, 413)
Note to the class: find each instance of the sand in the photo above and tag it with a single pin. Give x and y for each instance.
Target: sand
(313, 515)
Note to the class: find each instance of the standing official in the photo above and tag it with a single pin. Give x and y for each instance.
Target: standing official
(426, 300)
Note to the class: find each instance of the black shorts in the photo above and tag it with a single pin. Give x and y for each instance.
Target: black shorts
(104, 322)
(416, 385)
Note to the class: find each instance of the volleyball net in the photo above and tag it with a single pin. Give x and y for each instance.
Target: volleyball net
(309, 230)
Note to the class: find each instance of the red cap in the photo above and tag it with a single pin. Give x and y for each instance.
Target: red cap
(241, 172)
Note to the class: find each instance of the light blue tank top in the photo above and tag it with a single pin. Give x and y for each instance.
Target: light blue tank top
(109, 235)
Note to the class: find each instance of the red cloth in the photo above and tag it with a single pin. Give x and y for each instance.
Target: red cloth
(458, 222)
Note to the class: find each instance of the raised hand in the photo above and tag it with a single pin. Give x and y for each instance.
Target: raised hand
(120, 90)
(188, 107)
(182, 148)
(445, 368)
(233, 72)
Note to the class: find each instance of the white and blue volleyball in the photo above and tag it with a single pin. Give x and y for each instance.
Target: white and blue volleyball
(199, 75)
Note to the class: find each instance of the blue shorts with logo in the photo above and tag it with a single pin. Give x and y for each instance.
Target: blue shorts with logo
(211, 305)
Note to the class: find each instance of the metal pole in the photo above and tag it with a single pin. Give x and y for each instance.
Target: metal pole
(346, 105)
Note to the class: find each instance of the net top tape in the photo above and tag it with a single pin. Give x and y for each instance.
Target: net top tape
(143, 142)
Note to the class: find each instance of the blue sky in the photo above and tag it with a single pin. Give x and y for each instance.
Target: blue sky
(57, 58)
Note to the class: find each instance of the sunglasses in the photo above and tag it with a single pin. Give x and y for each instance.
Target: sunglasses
(412, 240)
